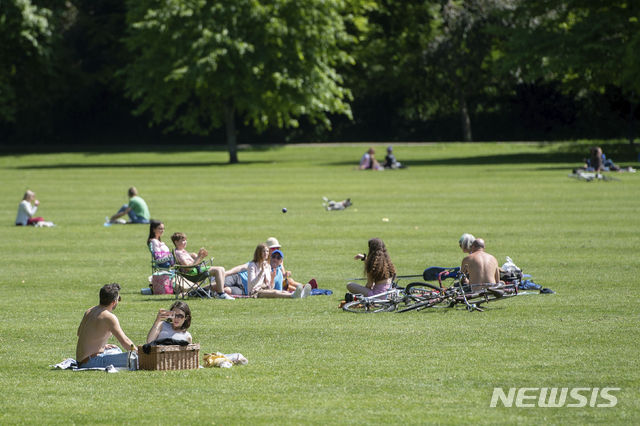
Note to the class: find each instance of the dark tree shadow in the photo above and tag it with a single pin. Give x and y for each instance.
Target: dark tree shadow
(497, 159)
(128, 165)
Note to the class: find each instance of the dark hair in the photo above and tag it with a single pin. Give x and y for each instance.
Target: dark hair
(153, 224)
(109, 293)
(378, 264)
(257, 255)
(177, 236)
(187, 313)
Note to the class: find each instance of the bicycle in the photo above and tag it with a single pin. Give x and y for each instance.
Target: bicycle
(425, 295)
(383, 302)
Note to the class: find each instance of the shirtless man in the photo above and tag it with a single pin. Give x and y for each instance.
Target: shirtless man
(480, 266)
(98, 324)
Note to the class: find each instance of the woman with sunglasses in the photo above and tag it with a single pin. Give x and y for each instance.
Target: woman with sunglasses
(172, 324)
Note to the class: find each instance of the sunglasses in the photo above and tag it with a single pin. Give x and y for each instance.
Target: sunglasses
(180, 316)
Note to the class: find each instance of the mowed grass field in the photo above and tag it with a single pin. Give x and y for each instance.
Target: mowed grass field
(310, 362)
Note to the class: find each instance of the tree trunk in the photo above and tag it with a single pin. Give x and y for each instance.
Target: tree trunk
(632, 113)
(466, 121)
(230, 124)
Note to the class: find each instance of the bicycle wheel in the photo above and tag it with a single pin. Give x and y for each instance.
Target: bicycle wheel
(369, 307)
(419, 289)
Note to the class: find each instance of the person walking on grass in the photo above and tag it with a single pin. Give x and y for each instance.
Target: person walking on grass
(97, 325)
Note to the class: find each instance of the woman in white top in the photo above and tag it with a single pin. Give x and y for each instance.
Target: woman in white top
(26, 210)
(172, 324)
(260, 277)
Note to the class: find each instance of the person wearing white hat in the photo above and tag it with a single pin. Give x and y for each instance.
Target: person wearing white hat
(288, 282)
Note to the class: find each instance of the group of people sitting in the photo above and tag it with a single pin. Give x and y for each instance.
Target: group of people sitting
(478, 267)
(264, 276)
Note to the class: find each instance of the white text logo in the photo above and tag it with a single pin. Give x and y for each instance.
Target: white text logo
(554, 397)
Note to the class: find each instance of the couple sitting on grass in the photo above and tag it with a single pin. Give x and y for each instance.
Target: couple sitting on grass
(99, 324)
(264, 276)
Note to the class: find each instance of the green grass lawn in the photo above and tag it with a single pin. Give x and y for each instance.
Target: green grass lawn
(310, 362)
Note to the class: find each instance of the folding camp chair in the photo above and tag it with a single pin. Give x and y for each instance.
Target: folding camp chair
(190, 280)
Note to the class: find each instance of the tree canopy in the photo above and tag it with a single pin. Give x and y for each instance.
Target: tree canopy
(198, 64)
(319, 69)
(25, 39)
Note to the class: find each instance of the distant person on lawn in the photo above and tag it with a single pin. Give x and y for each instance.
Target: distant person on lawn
(98, 324)
(480, 266)
(136, 209)
(390, 161)
(27, 208)
(369, 162)
(598, 162)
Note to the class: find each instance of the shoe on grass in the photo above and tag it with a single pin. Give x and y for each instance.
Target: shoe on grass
(298, 293)
(306, 290)
(224, 296)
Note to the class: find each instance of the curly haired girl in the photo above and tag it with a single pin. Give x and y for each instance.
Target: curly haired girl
(377, 267)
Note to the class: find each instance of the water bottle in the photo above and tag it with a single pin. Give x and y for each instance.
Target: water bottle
(132, 358)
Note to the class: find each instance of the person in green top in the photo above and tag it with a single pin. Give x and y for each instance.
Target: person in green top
(136, 209)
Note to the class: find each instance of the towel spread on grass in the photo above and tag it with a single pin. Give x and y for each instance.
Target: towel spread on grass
(71, 364)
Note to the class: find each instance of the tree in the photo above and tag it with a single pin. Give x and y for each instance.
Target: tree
(586, 45)
(25, 37)
(198, 65)
(434, 55)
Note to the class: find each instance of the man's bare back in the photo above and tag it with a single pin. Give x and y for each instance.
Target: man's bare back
(480, 266)
(94, 332)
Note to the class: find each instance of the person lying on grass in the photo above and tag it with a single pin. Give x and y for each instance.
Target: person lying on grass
(260, 278)
(97, 325)
(172, 324)
(195, 272)
(378, 269)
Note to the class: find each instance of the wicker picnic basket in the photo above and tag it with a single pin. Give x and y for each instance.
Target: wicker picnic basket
(170, 357)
